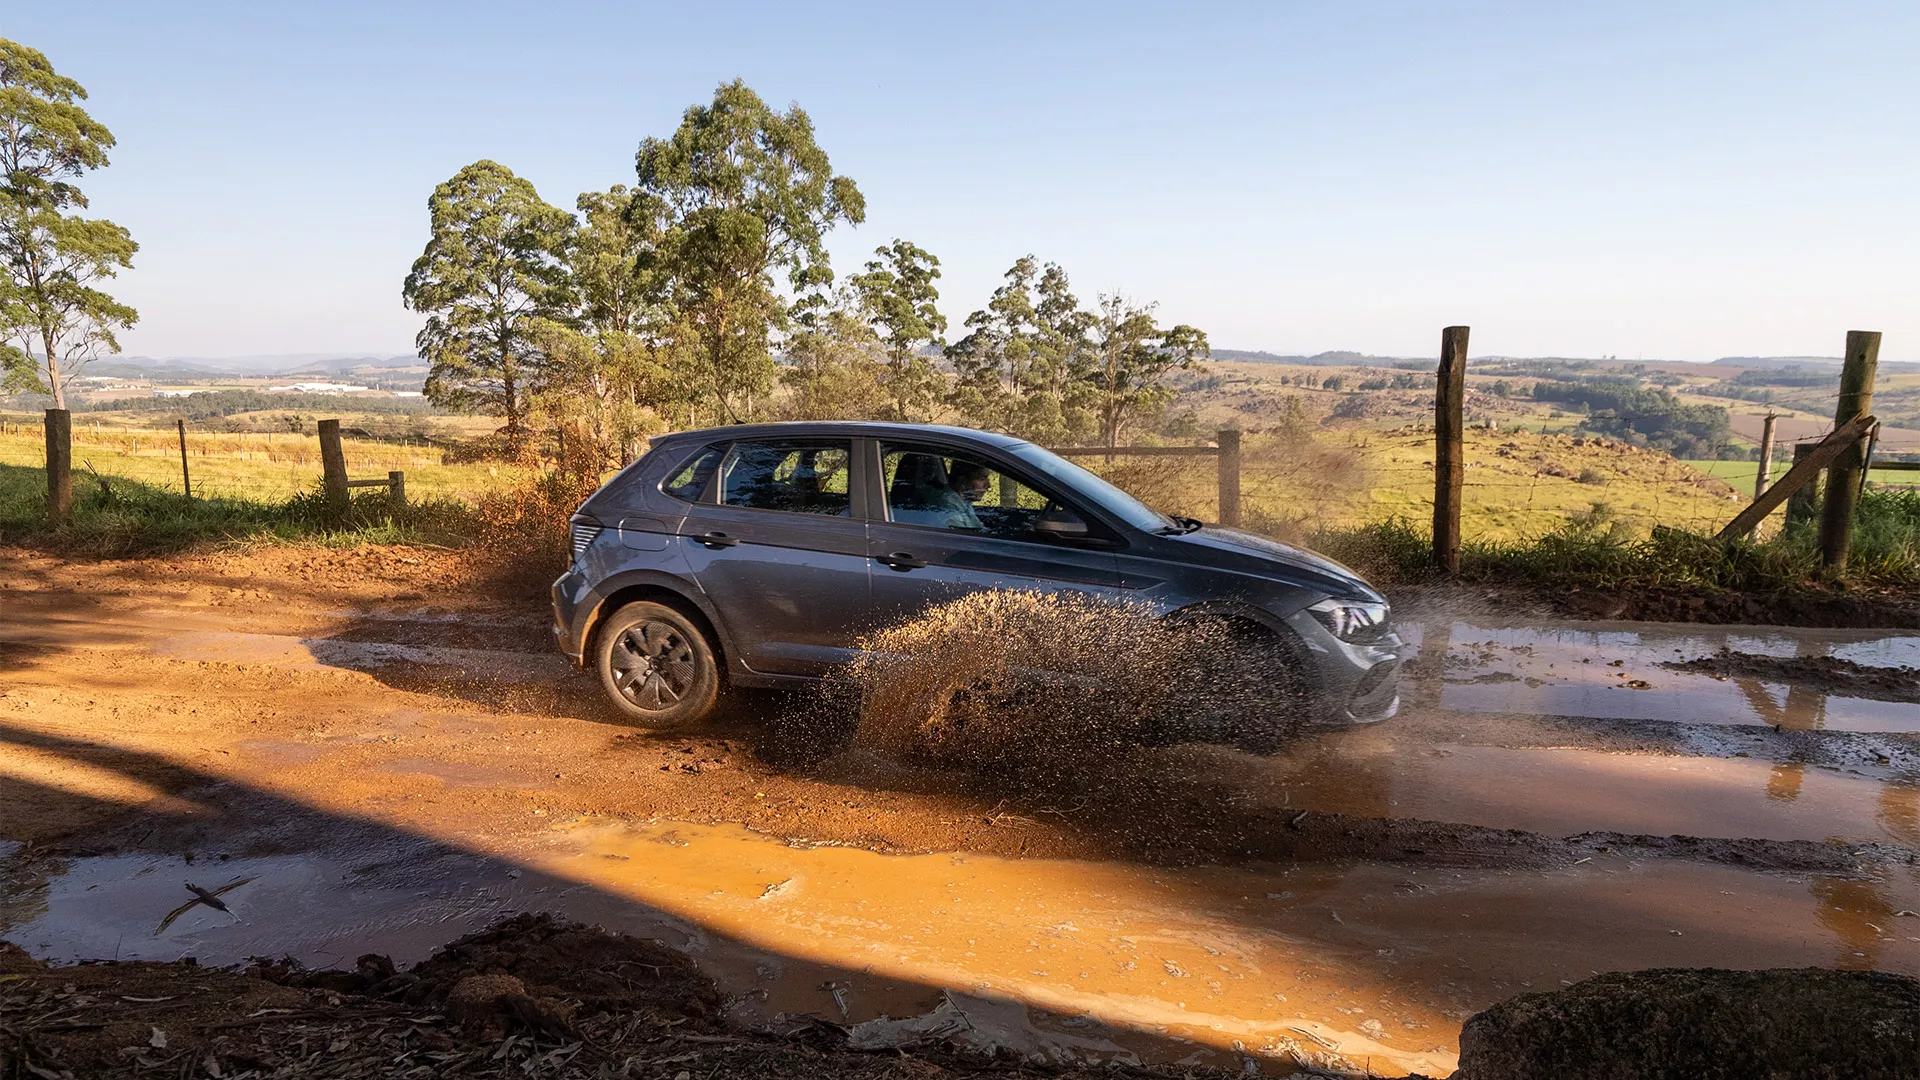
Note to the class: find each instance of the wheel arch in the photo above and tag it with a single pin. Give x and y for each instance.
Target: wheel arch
(1258, 621)
(659, 589)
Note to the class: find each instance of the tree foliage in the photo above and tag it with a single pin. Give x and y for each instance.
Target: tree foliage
(1024, 365)
(1133, 357)
(838, 368)
(53, 316)
(899, 298)
(697, 293)
(744, 191)
(492, 276)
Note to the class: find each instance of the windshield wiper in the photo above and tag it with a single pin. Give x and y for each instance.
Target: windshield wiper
(1181, 526)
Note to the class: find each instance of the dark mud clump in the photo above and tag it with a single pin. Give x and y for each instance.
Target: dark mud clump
(1703, 1024)
(1823, 673)
(531, 997)
(542, 973)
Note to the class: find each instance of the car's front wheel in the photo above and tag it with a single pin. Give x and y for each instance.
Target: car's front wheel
(656, 666)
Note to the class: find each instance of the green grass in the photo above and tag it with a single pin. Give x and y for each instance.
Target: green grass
(257, 467)
(121, 517)
(1593, 551)
(1740, 473)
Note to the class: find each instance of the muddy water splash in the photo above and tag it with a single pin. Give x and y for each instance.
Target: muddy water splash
(1044, 681)
(1003, 675)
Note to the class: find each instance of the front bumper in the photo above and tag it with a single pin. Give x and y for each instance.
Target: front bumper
(1357, 683)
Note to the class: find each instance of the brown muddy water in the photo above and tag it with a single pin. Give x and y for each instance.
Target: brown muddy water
(1355, 964)
(1612, 670)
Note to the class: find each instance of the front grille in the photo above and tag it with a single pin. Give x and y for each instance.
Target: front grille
(583, 534)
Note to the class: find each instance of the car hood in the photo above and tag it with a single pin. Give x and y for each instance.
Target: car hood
(1220, 546)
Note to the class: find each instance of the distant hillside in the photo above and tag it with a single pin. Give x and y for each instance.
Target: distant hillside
(1778, 361)
(1326, 359)
(269, 364)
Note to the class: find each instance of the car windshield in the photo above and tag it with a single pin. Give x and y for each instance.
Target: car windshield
(1109, 498)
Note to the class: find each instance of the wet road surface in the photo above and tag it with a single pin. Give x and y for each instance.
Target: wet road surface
(1372, 962)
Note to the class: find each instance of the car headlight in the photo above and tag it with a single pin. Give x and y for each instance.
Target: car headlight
(1355, 621)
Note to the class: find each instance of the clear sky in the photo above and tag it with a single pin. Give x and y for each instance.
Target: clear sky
(1671, 180)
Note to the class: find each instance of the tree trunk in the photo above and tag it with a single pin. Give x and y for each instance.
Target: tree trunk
(53, 371)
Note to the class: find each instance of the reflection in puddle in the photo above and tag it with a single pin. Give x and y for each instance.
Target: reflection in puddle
(1561, 792)
(1612, 670)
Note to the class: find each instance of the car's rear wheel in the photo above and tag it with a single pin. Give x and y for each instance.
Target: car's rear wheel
(657, 666)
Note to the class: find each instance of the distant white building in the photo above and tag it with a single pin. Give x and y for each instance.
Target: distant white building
(407, 393)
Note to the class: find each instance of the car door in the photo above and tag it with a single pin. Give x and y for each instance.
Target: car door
(778, 543)
(952, 521)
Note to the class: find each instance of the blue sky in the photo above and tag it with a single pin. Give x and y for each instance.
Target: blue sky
(1670, 180)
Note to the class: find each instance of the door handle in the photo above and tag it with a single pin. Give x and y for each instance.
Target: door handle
(900, 560)
(717, 540)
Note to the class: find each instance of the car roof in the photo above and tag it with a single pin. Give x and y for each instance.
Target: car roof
(873, 429)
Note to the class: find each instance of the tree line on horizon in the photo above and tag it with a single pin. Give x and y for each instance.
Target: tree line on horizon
(687, 298)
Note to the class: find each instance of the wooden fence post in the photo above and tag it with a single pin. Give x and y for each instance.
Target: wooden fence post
(1229, 463)
(186, 479)
(59, 428)
(1843, 476)
(1804, 503)
(397, 489)
(333, 469)
(1807, 463)
(1765, 475)
(1449, 448)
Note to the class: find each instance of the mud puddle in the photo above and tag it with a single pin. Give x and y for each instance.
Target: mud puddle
(1618, 670)
(1342, 965)
(1365, 962)
(1560, 792)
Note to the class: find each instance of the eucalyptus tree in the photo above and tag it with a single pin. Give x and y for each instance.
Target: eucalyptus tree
(837, 365)
(1024, 365)
(744, 191)
(1132, 358)
(898, 295)
(54, 318)
(492, 278)
(606, 377)
(991, 361)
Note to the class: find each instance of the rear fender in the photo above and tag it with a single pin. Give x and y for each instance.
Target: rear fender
(632, 585)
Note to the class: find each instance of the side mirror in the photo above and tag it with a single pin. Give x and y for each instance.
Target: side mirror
(1061, 524)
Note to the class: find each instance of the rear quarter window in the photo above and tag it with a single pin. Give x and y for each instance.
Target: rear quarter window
(689, 478)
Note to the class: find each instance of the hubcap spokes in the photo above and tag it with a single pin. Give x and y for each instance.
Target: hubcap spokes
(653, 665)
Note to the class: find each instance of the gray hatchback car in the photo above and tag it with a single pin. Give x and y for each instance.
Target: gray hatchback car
(759, 555)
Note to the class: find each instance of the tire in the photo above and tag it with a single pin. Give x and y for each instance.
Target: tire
(656, 666)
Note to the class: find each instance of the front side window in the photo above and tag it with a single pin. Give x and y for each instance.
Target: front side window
(940, 489)
(796, 476)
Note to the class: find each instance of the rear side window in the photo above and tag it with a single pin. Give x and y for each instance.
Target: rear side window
(689, 480)
(796, 476)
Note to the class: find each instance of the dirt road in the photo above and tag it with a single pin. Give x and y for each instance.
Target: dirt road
(382, 746)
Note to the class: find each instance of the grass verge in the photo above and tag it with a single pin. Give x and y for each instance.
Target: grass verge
(114, 517)
(1593, 551)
